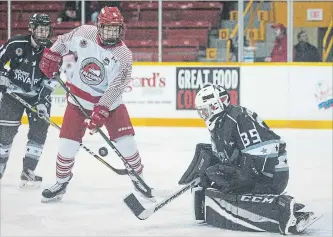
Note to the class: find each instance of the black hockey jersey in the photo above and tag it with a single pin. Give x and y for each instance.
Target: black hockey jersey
(240, 130)
(23, 70)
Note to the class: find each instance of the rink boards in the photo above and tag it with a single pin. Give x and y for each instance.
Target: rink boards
(297, 95)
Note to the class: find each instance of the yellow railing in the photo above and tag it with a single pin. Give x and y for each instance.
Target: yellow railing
(327, 47)
(253, 15)
(233, 33)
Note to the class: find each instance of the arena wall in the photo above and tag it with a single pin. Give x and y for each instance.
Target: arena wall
(296, 95)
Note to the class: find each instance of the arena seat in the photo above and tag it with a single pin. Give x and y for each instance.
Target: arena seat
(212, 16)
(130, 11)
(149, 11)
(141, 34)
(3, 25)
(140, 43)
(66, 25)
(3, 6)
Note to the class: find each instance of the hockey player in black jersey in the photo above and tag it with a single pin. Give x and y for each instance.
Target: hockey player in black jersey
(243, 172)
(20, 74)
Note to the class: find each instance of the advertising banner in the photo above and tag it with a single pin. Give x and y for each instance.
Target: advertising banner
(191, 79)
(150, 92)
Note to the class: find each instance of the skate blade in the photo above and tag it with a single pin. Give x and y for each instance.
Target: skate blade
(29, 184)
(54, 199)
(303, 224)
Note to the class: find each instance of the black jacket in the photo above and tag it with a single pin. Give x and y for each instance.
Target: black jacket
(24, 72)
(306, 53)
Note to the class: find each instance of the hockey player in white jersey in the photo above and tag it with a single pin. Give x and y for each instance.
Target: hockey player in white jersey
(101, 73)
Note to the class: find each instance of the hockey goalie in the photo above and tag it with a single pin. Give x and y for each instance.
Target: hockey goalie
(243, 172)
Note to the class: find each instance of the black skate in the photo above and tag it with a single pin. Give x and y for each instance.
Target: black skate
(29, 179)
(304, 220)
(287, 218)
(56, 192)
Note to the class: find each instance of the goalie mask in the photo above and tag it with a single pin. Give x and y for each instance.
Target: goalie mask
(41, 29)
(210, 102)
(110, 25)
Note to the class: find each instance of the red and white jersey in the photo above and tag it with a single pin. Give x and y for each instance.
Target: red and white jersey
(100, 74)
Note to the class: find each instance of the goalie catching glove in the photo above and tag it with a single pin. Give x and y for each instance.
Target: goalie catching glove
(98, 118)
(234, 178)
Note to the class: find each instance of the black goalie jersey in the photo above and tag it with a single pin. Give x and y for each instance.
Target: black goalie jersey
(20, 63)
(241, 131)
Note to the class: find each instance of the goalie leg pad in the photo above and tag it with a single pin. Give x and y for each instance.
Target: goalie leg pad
(199, 203)
(201, 161)
(242, 212)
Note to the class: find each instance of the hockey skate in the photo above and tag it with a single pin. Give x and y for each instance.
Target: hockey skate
(56, 192)
(304, 220)
(287, 218)
(141, 196)
(30, 180)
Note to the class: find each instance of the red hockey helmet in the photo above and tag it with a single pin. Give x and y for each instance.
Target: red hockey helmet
(110, 25)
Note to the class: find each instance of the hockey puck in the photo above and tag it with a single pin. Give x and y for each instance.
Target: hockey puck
(103, 151)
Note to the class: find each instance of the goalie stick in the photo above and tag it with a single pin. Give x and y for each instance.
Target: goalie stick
(137, 181)
(48, 120)
(143, 213)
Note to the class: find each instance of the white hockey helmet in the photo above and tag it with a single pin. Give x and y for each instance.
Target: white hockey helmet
(211, 101)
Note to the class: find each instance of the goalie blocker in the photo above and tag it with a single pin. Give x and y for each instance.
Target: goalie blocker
(238, 210)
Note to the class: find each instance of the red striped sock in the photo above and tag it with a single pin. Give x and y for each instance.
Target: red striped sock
(135, 162)
(64, 168)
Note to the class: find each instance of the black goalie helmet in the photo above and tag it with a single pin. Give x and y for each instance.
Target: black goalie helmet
(41, 29)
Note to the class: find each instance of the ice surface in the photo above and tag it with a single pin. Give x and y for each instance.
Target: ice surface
(93, 205)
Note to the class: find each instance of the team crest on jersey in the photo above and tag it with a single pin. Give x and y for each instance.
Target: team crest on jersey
(19, 51)
(83, 43)
(92, 71)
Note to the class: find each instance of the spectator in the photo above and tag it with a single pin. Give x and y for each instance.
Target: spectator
(279, 51)
(305, 52)
(71, 12)
(95, 8)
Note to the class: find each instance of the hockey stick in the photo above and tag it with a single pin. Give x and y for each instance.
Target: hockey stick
(48, 120)
(142, 213)
(137, 181)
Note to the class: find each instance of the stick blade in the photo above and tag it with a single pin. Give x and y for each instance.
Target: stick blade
(136, 207)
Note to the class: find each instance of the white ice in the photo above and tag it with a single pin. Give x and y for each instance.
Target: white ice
(93, 205)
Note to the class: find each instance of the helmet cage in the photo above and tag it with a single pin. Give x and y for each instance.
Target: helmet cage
(41, 29)
(110, 34)
(211, 101)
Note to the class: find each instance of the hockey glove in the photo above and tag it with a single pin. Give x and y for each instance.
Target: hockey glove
(50, 62)
(98, 118)
(234, 179)
(43, 104)
(4, 82)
